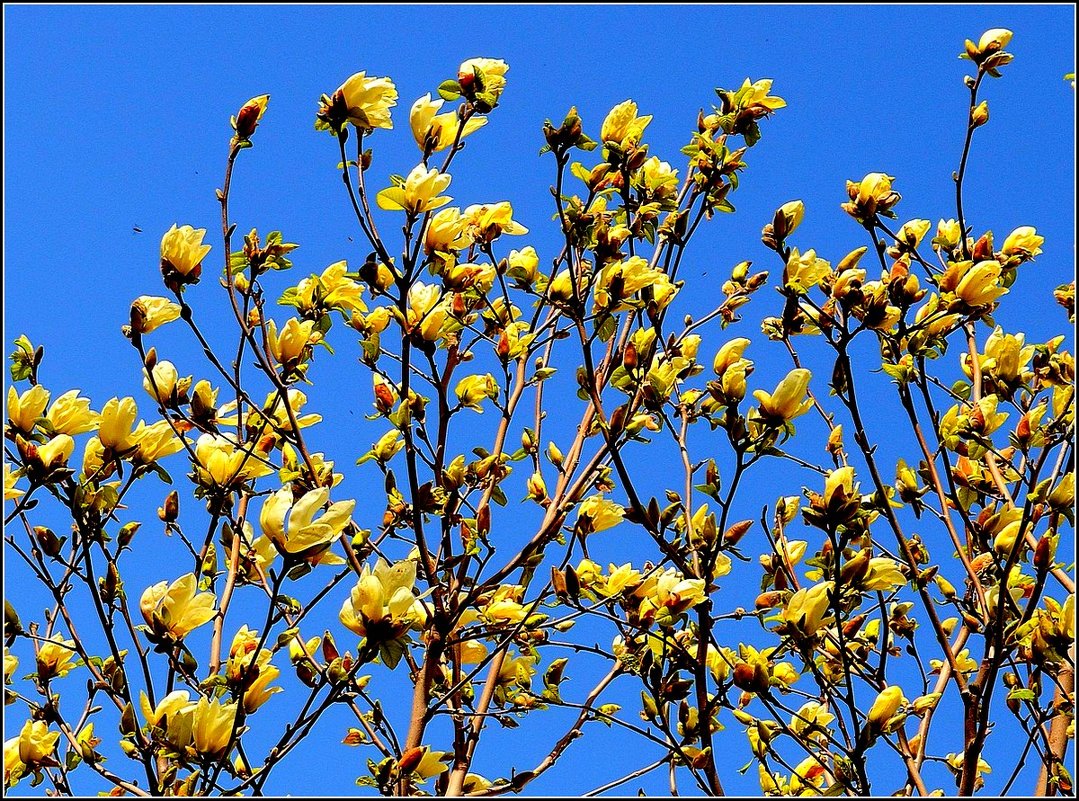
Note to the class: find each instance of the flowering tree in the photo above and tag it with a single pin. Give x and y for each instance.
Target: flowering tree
(862, 631)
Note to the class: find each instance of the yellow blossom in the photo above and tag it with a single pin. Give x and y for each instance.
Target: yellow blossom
(472, 390)
(222, 463)
(212, 726)
(56, 451)
(657, 178)
(149, 313)
(332, 290)
(485, 75)
(117, 418)
(805, 271)
(1023, 243)
(596, 513)
(167, 706)
(885, 706)
(666, 595)
(247, 119)
(23, 411)
(426, 311)
(166, 382)
(56, 657)
(418, 193)
(34, 747)
(871, 196)
(485, 222)
(433, 131)
(293, 344)
(175, 610)
(364, 101)
(445, 234)
(788, 400)
(11, 492)
(883, 574)
(523, 264)
(807, 610)
(154, 442)
(70, 414)
(382, 606)
(948, 235)
(622, 127)
(182, 251)
(244, 663)
(620, 281)
(303, 536)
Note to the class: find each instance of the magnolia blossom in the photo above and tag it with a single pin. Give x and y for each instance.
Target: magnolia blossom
(175, 610)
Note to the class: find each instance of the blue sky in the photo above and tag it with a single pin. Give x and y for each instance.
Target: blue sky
(116, 118)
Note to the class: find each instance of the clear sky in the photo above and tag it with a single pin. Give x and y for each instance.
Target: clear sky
(116, 119)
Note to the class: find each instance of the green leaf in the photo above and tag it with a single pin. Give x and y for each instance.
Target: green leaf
(449, 90)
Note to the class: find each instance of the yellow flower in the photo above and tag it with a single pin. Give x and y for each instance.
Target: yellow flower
(419, 192)
(806, 610)
(484, 223)
(293, 344)
(245, 122)
(619, 281)
(883, 574)
(955, 762)
(788, 400)
(472, 390)
(598, 514)
(657, 178)
(117, 418)
(363, 101)
(175, 610)
(948, 235)
(243, 664)
(505, 606)
(666, 595)
(790, 215)
(483, 75)
(56, 657)
(70, 414)
(622, 127)
(150, 312)
(1023, 243)
(981, 283)
(303, 536)
(34, 747)
(805, 271)
(222, 464)
(56, 451)
(166, 382)
(382, 606)
(23, 411)
(523, 264)
(11, 492)
(871, 196)
(992, 41)
(212, 725)
(445, 234)
(561, 286)
(433, 131)
(155, 441)
(93, 458)
(182, 251)
(912, 232)
(333, 290)
(432, 763)
(426, 311)
(885, 706)
(166, 707)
